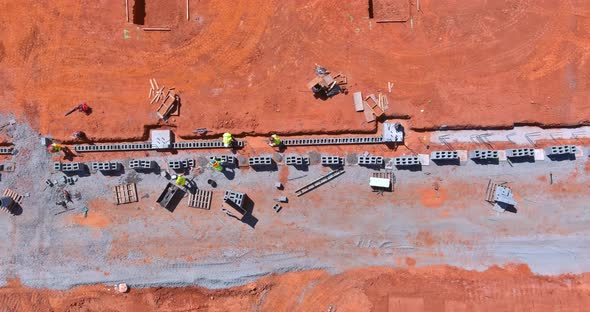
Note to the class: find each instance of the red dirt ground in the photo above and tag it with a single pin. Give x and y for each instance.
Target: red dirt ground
(242, 66)
(443, 289)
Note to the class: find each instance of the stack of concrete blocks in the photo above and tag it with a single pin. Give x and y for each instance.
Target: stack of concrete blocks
(181, 164)
(141, 164)
(228, 159)
(406, 161)
(520, 152)
(296, 160)
(332, 160)
(560, 150)
(260, 161)
(370, 160)
(6, 150)
(277, 207)
(105, 166)
(236, 198)
(444, 155)
(484, 154)
(66, 167)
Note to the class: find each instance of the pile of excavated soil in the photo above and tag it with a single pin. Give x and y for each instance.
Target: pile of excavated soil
(243, 66)
(513, 288)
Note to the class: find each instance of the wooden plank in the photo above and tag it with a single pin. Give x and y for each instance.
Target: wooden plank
(369, 115)
(358, 101)
(127, 10)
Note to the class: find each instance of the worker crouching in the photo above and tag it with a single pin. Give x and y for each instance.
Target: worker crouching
(274, 140)
(227, 140)
(216, 165)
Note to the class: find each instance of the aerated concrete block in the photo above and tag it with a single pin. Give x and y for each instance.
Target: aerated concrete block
(560, 150)
(332, 160)
(484, 154)
(444, 155)
(260, 161)
(296, 160)
(406, 161)
(520, 152)
(235, 197)
(370, 160)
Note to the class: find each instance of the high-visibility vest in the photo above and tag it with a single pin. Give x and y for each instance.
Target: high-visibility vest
(276, 140)
(217, 166)
(56, 147)
(180, 181)
(227, 139)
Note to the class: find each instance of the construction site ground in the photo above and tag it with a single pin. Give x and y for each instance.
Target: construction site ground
(433, 244)
(243, 65)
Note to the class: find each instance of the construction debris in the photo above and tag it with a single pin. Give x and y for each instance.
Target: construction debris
(324, 85)
(168, 100)
(500, 196)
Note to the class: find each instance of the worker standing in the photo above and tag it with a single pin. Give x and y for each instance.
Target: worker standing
(227, 139)
(181, 180)
(216, 165)
(274, 140)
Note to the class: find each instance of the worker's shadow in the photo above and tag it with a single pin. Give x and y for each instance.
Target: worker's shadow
(248, 218)
(88, 111)
(16, 210)
(229, 173)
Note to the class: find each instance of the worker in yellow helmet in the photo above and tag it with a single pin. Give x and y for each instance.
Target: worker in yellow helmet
(55, 148)
(274, 140)
(181, 180)
(216, 165)
(227, 139)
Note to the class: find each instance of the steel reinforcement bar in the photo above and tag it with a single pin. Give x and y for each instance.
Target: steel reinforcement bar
(148, 146)
(332, 141)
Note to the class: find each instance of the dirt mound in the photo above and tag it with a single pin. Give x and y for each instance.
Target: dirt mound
(513, 288)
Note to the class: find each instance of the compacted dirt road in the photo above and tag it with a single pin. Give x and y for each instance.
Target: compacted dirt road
(444, 289)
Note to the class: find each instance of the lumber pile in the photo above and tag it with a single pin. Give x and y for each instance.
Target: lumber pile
(372, 106)
(167, 100)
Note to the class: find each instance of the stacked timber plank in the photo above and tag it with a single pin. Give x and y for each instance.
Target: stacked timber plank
(167, 100)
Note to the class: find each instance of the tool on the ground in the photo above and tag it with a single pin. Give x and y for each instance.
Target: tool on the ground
(201, 131)
(67, 196)
(316, 183)
(216, 165)
(84, 108)
(85, 212)
(156, 29)
(227, 139)
(274, 140)
(229, 213)
(325, 85)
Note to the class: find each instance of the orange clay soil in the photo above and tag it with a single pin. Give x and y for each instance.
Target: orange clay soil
(513, 288)
(243, 65)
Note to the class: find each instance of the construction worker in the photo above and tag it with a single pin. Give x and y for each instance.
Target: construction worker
(84, 108)
(181, 180)
(55, 148)
(216, 165)
(274, 140)
(227, 139)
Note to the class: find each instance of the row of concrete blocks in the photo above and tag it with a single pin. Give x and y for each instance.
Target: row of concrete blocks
(149, 146)
(332, 141)
(260, 161)
(181, 164)
(235, 197)
(6, 150)
(296, 160)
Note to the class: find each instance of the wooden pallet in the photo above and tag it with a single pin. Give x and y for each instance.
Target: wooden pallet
(125, 194)
(386, 175)
(200, 199)
(18, 198)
